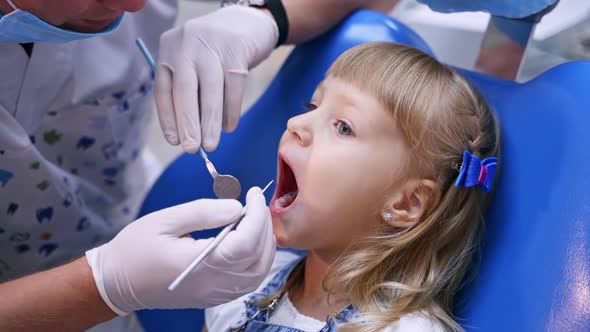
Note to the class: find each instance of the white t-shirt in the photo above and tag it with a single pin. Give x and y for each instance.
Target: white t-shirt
(222, 317)
(287, 315)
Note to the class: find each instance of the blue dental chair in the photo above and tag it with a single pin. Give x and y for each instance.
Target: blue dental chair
(535, 267)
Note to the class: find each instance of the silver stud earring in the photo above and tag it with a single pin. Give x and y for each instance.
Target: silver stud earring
(387, 216)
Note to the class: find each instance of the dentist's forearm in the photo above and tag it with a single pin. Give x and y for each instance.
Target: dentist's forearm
(61, 299)
(311, 18)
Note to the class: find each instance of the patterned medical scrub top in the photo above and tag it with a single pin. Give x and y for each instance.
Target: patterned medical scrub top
(72, 122)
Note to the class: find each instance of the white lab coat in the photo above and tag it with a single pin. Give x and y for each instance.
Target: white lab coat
(72, 120)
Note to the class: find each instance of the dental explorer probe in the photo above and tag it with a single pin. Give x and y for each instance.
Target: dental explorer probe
(210, 247)
(224, 185)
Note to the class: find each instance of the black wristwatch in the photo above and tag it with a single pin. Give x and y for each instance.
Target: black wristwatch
(275, 7)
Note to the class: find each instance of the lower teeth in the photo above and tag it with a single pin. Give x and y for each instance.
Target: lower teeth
(286, 199)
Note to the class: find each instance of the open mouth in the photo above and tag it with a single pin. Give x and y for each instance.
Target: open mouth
(287, 189)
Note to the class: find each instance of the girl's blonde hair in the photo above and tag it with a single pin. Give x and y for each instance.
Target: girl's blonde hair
(418, 269)
(441, 115)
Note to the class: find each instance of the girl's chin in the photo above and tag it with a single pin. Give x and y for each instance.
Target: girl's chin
(290, 242)
(284, 240)
(290, 231)
(279, 231)
(282, 244)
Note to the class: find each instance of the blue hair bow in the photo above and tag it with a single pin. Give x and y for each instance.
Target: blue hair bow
(478, 173)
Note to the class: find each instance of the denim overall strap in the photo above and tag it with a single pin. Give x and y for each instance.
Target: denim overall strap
(339, 318)
(256, 318)
(253, 312)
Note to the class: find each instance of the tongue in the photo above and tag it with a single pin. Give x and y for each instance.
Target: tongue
(286, 199)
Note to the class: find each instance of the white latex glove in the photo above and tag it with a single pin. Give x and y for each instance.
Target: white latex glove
(133, 271)
(201, 71)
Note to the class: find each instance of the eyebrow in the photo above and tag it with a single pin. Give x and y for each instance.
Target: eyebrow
(346, 99)
(351, 103)
(320, 85)
(319, 89)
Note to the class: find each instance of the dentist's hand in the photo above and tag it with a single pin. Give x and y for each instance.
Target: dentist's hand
(201, 70)
(133, 271)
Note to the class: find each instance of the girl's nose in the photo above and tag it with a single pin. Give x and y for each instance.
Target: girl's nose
(124, 5)
(300, 128)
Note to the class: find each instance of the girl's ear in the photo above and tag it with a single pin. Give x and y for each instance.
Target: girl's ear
(415, 199)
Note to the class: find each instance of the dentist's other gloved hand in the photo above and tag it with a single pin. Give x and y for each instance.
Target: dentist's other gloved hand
(133, 271)
(201, 70)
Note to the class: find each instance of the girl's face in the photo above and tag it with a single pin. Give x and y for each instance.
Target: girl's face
(337, 165)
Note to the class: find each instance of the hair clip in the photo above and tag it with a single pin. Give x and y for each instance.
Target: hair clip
(473, 172)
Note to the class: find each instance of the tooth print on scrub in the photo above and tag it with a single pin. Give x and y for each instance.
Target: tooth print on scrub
(43, 190)
(71, 135)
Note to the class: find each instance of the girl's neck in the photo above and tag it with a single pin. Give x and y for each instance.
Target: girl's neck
(309, 297)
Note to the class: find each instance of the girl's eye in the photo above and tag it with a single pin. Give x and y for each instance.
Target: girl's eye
(343, 128)
(308, 107)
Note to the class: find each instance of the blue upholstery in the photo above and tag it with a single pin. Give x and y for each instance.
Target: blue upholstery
(535, 270)
(535, 267)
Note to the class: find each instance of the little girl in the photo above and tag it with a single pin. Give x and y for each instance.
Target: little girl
(384, 182)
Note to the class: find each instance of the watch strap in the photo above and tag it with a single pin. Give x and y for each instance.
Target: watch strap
(276, 8)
